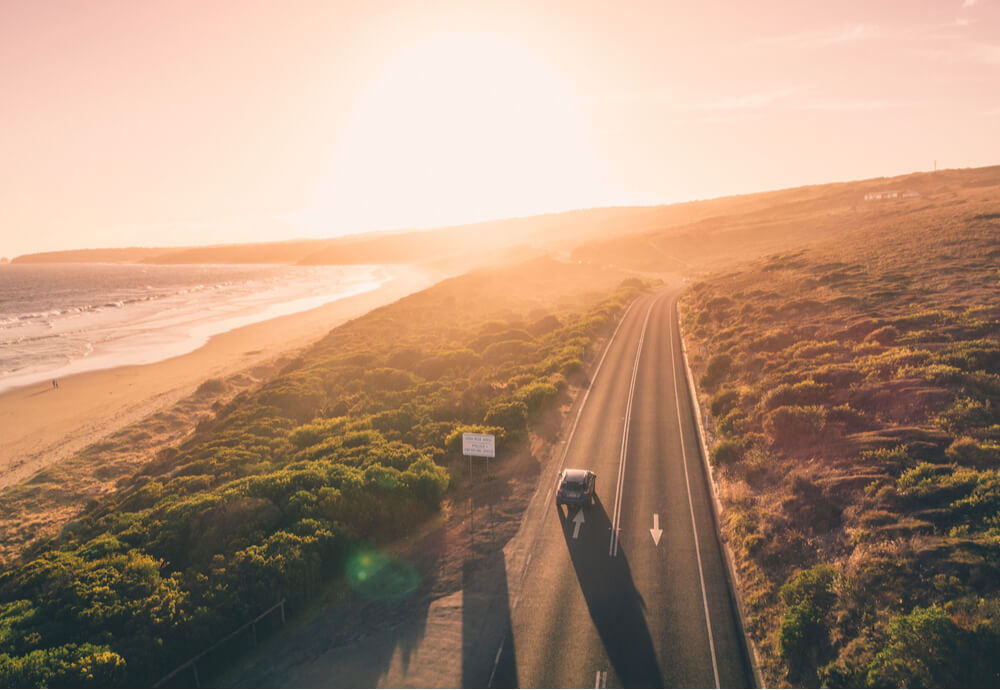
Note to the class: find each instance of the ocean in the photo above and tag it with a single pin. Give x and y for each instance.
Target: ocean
(61, 319)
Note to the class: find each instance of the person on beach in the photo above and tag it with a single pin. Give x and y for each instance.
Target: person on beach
(55, 384)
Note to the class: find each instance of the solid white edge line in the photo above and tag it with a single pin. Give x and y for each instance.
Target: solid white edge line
(569, 441)
(623, 457)
(586, 394)
(694, 528)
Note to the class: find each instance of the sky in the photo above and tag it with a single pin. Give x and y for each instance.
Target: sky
(177, 122)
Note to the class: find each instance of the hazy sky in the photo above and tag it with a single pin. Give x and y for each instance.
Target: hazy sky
(175, 122)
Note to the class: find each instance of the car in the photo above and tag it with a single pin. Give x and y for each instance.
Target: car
(576, 487)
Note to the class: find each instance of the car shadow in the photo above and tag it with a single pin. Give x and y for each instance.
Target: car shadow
(616, 607)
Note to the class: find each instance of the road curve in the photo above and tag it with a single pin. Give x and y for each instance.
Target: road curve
(637, 596)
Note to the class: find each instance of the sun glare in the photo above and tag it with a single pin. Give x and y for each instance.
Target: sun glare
(460, 127)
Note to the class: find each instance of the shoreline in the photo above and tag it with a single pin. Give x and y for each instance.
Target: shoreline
(41, 425)
(163, 325)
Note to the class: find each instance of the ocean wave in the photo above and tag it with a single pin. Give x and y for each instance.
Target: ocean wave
(110, 327)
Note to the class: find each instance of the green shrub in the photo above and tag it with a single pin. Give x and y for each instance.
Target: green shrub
(971, 355)
(311, 434)
(735, 423)
(426, 481)
(544, 325)
(82, 666)
(535, 396)
(716, 370)
(806, 392)
(773, 341)
(794, 424)
(723, 401)
(802, 634)
(889, 459)
(511, 415)
(509, 350)
(967, 414)
(886, 365)
(840, 376)
(388, 379)
(982, 504)
(925, 650)
(852, 419)
(938, 374)
(727, 452)
(452, 362)
(923, 474)
(886, 335)
(968, 451)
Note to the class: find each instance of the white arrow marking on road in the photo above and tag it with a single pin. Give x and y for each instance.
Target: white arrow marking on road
(656, 531)
(579, 521)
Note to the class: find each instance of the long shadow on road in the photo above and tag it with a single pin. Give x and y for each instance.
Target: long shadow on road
(486, 625)
(615, 606)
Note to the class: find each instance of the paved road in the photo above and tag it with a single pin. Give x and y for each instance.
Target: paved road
(611, 607)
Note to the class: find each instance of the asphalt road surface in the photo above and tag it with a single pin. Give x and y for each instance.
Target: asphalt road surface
(636, 594)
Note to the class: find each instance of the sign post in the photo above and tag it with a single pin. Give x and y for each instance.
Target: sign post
(479, 445)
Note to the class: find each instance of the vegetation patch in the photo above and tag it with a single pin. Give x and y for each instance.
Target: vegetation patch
(297, 482)
(855, 436)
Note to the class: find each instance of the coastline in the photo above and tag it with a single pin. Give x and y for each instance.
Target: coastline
(41, 425)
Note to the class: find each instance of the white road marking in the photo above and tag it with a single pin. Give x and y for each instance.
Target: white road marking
(579, 521)
(583, 401)
(568, 442)
(617, 513)
(496, 662)
(694, 529)
(656, 531)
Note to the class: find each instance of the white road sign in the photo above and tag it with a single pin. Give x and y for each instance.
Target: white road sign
(480, 445)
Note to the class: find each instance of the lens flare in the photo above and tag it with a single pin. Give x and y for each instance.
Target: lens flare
(375, 575)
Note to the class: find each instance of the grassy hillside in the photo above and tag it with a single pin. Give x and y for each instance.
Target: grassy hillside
(709, 235)
(853, 398)
(683, 237)
(350, 447)
(464, 246)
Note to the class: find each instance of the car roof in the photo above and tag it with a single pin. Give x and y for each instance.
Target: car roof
(575, 476)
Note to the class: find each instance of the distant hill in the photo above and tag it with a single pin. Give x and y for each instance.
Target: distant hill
(127, 255)
(712, 234)
(685, 237)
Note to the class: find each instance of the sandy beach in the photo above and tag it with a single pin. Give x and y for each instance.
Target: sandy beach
(41, 425)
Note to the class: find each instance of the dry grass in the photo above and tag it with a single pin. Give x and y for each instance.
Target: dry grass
(854, 388)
